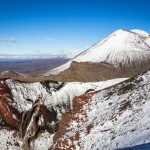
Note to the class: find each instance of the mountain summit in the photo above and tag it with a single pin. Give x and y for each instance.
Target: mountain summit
(121, 47)
(127, 51)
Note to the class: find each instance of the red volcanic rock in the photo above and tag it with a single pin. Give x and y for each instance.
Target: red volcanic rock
(9, 115)
(68, 117)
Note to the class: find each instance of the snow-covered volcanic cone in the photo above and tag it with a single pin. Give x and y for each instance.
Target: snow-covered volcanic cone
(124, 50)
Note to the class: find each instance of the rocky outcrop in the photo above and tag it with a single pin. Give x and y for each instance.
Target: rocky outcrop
(30, 113)
(36, 120)
(118, 114)
(28, 124)
(10, 116)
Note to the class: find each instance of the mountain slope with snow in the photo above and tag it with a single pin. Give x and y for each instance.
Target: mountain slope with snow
(30, 112)
(115, 118)
(123, 49)
(121, 46)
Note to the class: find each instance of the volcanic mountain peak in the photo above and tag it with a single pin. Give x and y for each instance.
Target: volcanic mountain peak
(122, 48)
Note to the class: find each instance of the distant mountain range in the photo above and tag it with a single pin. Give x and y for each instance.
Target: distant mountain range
(14, 57)
(30, 66)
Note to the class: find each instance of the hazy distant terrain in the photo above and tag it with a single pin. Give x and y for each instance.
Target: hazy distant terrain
(31, 67)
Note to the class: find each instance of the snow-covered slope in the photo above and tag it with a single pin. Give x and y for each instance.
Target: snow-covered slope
(27, 107)
(50, 95)
(114, 118)
(123, 48)
(141, 32)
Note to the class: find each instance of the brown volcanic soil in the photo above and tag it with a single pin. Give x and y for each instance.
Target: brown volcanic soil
(68, 117)
(92, 72)
(82, 72)
(22, 77)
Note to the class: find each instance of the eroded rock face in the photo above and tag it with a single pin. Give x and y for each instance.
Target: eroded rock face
(26, 125)
(77, 115)
(38, 119)
(9, 115)
(110, 118)
(30, 113)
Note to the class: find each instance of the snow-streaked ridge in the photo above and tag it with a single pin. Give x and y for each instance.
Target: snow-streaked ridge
(117, 117)
(51, 97)
(123, 115)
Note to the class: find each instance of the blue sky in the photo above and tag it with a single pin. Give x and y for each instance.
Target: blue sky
(54, 26)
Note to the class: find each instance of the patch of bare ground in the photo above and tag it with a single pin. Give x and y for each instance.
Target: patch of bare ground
(93, 72)
(62, 141)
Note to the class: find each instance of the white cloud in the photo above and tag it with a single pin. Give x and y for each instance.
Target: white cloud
(11, 39)
(50, 39)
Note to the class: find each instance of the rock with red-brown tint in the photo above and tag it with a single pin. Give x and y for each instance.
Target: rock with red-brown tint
(9, 115)
(63, 141)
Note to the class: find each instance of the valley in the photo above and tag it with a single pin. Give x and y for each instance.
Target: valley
(31, 66)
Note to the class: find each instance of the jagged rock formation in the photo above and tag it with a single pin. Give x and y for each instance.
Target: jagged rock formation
(35, 120)
(114, 118)
(123, 53)
(8, 115)
(30, 112)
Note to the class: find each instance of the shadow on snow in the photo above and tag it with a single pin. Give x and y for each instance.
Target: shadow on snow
(137, 147)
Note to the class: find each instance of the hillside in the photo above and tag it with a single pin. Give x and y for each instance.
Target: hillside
(116, 118)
